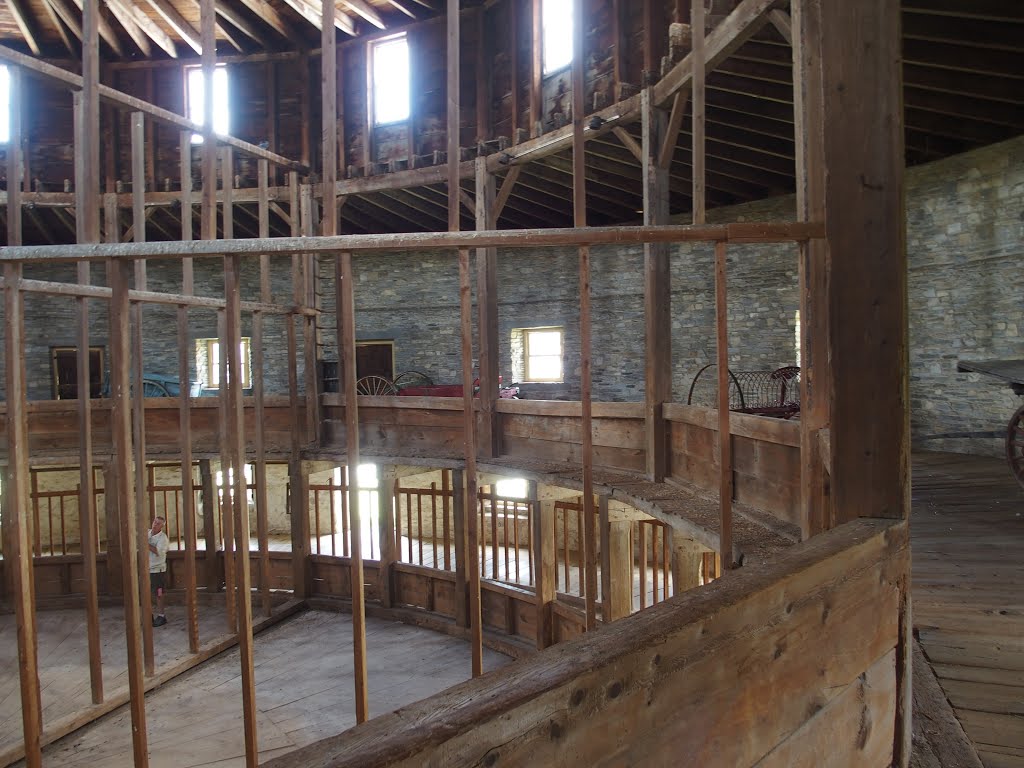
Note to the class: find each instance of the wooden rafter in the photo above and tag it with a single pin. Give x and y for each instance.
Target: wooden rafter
(106, 31)
(146, 24)
(365, 10)
(239, 22)
(178, 23)
(269, 16)
(132, 28)
(311, 11)
(399, 7)
(25, 23)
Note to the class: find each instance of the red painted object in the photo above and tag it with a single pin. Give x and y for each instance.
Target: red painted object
(432, 390)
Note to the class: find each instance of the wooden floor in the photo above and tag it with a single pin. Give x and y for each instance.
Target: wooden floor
(303, 688)
(967, 531)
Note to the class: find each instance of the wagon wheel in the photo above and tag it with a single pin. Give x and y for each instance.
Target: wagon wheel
(412, 379)
(375, 385)
(1015, 445)
(704, 389)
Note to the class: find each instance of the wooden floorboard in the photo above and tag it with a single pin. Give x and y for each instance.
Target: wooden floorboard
(967, 533)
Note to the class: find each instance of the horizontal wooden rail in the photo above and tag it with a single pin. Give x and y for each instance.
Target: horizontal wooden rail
(153, 297)
(122, 100)
(767, 232)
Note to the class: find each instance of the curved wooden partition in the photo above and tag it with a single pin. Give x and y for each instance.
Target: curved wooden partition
(794, 662)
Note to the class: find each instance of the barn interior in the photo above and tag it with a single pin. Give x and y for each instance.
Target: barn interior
(550, 382)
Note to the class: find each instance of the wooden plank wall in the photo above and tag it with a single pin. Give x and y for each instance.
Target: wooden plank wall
(53, 428)
(802, 653)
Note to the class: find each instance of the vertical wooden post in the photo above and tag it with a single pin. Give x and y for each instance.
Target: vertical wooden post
(138, 402)
(724, 429)
(184, 399)
(262, 523)
(815, 377)
(388, 544)
(329, 120)
(307, 299)
(235, 439)
(347, 341)
(483, 78)
(657, 292)
(115, 579)
(87, 211)
(224, 494)
(209, 495)
(487, 309)
(120, 390)
(544, 563)
(18, 552)
(298, 480)
(687, 559)
(617, 559)
(865, 220)
(536, 70)
(462, 553)
(699, 89)
(513, 9)
(579, 198)
(466, 313)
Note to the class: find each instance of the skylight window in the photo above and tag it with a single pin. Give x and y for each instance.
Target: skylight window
(194, 97)
(556, 21)
(390, 80)
(5, 106)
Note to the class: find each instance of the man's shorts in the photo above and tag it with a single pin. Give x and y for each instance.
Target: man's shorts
(158, 582)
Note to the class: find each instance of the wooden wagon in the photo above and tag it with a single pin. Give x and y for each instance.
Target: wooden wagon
(1012, 372)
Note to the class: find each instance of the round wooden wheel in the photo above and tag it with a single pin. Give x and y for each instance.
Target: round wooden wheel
(375, 385)
(1015, 445)
(412, 379)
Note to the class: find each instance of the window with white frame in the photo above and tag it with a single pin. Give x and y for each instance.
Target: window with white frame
(390, 78)
(195, 89)
(5, 105)
(557, 34)
(542, 354)
(209, 361)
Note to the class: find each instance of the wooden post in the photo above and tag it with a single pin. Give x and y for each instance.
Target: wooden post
(579, 198)
(262, 523)
(18, 553)
(209, 495)
(235, 439)
(115, 578)
(536, 70)
(120, 390)
(483, 78)
(618, 559)
(138, 401)
(298, 480)
(513, 10)
(388, 544)
(657, 291)
(329, 119)
(687, 559)
(87, 210)
(865, 224)
(544, 564)
(209, 64)
(224, 495)
(815, 376)
(188, 510)
(698, 164)
(487, 309)
(466, 313)
(462, 552)
(724, 429)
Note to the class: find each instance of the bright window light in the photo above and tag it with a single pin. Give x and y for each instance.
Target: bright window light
(543, 354)
(556, 19)
(208, 360)
(390, 80)
(194, 96)
(511, 488)
(5, 106)
(366, 475)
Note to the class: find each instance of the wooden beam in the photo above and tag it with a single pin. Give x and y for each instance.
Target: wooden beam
(269, 16)
(725, 481)
(671, 135)
(128, 10)
(657, 292)
(259, 360)
(239, 22)
(17, 523)
(698, 116)
(536, 70)
(131, 27)
(26, 24)
(329, 121)
(507, 185)
(399, 7)
(367, 11)
(177, 22)
(629, 143)
(104, 29)
(781, 21)
(489, 442)
(62, 31)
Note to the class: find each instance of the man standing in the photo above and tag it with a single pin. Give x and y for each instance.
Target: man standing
(158, 544)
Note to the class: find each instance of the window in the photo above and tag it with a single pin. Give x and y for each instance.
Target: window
(556, 21)
(208, 362)
(511, 488)
(5, 106)
(64, 365)
(542, 354)
(194, 100)
(390, 59)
